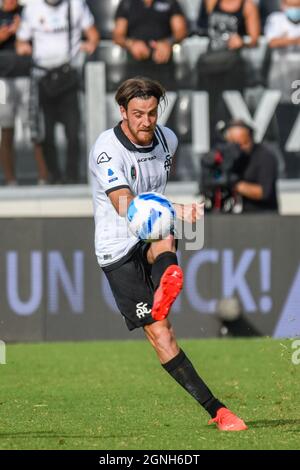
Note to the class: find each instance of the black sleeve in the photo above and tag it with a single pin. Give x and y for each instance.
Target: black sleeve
(176, 8)
(267, 173)
(123, 9)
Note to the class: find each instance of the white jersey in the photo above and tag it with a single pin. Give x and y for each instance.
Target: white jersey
(47, 27)
(278, 25)
(115, 163)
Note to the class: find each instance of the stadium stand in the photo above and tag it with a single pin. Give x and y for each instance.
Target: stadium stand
(181, 111)
(103, 12)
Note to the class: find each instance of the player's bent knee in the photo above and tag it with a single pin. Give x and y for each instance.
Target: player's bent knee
(159, 247)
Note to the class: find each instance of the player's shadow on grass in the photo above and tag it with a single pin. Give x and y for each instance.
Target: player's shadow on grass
(273, 423)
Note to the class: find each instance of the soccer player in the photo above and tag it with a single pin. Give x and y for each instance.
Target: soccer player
(145, 279)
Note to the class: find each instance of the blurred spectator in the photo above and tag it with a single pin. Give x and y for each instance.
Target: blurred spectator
(283, 34)
(256, 168)
(148, 29)
(283, 27)
(223, 67)
(9, 22)
(55, 30)
(17, 93)
(228, 21)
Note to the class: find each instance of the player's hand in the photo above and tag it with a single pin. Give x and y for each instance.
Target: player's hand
(190, 212)
(162, 51)
(235, 42)
(138, 49)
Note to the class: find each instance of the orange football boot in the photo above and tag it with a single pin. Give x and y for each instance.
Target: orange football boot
(168, 290)
(228, 421)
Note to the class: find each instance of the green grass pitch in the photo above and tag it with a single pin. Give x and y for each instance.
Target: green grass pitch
(115, 395)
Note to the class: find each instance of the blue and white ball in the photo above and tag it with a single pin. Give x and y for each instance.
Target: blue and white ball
(151, 216)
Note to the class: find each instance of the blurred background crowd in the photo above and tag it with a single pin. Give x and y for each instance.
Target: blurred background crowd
(237, 60)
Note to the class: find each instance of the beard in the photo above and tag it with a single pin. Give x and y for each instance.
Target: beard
(142, 137)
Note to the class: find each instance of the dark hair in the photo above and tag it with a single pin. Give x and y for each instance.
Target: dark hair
(240, 123)
(139, 87)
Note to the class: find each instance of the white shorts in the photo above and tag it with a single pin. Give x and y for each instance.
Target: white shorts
(16, 98)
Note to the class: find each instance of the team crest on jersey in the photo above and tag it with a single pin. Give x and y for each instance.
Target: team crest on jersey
(168, 162)
(133, 172)
(103, 158)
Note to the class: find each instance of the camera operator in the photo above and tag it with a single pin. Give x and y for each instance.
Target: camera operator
(256, 168)
(237, 174)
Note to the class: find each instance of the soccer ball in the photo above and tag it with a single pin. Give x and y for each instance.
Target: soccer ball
(150, 217)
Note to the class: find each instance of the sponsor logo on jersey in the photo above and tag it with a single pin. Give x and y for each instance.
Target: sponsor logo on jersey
(147, 159)
(103, 158)
(142, 310)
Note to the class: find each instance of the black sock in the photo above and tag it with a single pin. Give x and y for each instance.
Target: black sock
(183, 371)
(162, 262)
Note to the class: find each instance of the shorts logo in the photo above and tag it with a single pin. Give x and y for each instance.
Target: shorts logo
(142, 310)
(103, 158)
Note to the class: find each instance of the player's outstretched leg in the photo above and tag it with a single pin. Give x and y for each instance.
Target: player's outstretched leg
(176, 363)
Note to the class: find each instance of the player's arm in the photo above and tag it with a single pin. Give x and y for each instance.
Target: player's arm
(120, 199)
(189, 212)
